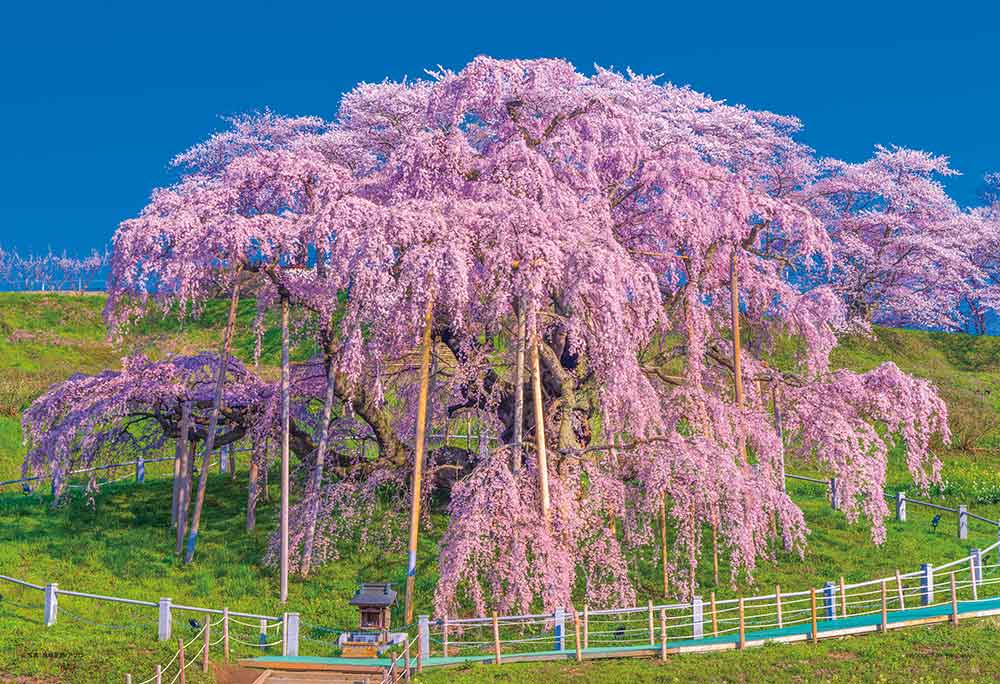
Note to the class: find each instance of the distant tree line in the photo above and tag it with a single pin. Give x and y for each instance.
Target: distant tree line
(53, 271)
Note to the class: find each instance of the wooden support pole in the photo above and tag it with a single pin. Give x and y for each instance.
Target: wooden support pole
(954, 601)
(496, 639)
(812, 610)
(715, 553)
(885, 608)
(285, 454)
(180, 658)
(663, 543)
(899, 589)
(586, 626)
(777, 604)
(542, 463)
(128, 679)
(158, 675)
(418, 459)
(663, 634)
(715, 617)
(843, 598)
(734, 291)
(519, 389)
(743, 634)
(444, 637)
(576, 631)
(406, 664)
(652, 636)
(206, 642)
(225, 635)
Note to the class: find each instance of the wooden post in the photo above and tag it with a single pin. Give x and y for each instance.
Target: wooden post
(812, 609)
(128, 679)
(206, 642)
(652, 637)
(576, 640)
(899, 589)
(184, 446)
(586, 626)
(843, 598)
(285, 462)
(406, 665)
(777, 604)
(743, 635)
(663, 543)
(225, 634)
(496, 638)
(663, 634)
(715, 618)
(885, 608)
(972, 576)
(536, 393)
(418, 459)
(158, 676)
(954, 601)
(444, 637)
(180, 658)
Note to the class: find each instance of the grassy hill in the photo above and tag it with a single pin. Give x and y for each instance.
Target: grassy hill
(121, 544)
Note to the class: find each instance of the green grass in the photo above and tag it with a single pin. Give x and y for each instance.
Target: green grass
(121, 544)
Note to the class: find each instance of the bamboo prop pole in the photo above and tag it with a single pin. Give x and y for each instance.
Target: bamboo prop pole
(315, 485)
(444, 637)
(184, 486)
(715, 617)
(206, 642)
(843, 598)
(420, 662)
(225, 635)
(652, 637)
(128, 679)
(496, 639)
(536, 393)
(663, 634)
(178, 455)
(158, 675)
(213, 419)
(418, 459)
(715, 553)
(954, 601)
(576, 636)
(406, 665)
(734, 292)
(885, 609)
(180, 658)
(812, 616)
(285, 457)
(519, 390)
(743, 635)
(586, 626)
(899, 589)
(663, 543)
(777, 604)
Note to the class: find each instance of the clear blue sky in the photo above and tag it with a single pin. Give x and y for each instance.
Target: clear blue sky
(97, 97)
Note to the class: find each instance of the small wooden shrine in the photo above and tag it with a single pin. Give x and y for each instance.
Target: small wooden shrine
(374, 602)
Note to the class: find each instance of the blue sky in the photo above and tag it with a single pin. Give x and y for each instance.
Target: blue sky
(95, 98)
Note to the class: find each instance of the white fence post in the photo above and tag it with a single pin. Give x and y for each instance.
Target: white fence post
(165, 622)
(901, 506)
(290, 640)
(926, 584)
(51, 603)
(698, 617)
(963, 522)
(559, 628)
(830, 600)
(423, 629)
(834, 494)
(977, 564)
